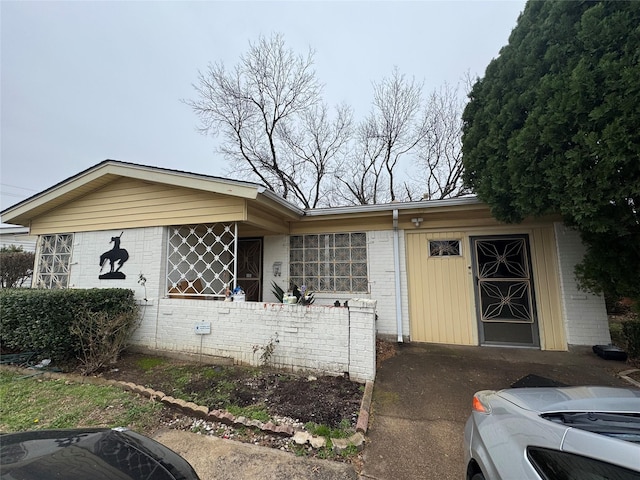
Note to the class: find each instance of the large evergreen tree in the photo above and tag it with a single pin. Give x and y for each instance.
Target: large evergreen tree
(554, 127)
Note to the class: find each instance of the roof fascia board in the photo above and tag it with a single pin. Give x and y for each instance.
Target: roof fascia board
(184, 179)
(270, 197)
(141, 172)
(389, 207)
(50, 194)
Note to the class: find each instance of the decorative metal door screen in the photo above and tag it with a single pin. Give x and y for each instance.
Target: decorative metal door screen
(250, 268)
(504, 290)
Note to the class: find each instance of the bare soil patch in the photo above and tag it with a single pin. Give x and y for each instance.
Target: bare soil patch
(326, 400)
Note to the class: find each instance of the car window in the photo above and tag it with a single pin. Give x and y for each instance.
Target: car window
(556, 465)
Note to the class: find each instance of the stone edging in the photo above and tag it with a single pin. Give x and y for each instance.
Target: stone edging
(300, 437)
(625, 376)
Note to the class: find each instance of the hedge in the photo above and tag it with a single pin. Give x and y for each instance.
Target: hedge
(40, 320)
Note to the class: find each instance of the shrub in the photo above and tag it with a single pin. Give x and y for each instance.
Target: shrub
(102, 336)
(42, 320)
(16, 266)
(617, 335)
(631, 332)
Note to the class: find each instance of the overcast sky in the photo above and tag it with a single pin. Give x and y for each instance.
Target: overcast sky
(85, 81)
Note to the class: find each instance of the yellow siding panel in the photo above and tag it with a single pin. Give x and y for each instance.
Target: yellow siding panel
(547, 289)
(130, 203)
(439, 292)
(260, 218)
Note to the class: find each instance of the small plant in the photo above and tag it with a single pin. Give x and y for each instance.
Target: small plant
(199, 429)
(343, 430)
(277, 291)
(299, 450)
(326, 452)
(304, 296)
(267, 350)
(142, 280)
(252, 412)
(350, 451)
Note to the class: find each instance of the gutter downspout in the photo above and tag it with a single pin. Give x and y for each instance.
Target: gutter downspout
(396, 266)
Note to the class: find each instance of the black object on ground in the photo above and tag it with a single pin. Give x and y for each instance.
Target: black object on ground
(610, 352)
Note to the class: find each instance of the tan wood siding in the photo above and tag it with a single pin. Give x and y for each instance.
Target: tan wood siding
(130, 203)
(441, 297)
(440, 308)
(313, 225)
(261, 218)
(547, 288)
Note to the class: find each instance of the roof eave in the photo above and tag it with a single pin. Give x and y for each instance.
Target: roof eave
(390, 207)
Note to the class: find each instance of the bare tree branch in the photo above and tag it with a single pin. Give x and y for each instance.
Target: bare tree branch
(439, 169)
(270, 89)
(393, 128)
(315, 146)
(274, 128)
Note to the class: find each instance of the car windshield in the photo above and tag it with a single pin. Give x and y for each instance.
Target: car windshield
(624, 426)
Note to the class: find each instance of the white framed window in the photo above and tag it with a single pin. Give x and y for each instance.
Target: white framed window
(445, 248)
(329, 262)
(54, 260)
(201, 259)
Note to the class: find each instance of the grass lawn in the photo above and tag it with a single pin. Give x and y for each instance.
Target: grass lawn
(31, 403)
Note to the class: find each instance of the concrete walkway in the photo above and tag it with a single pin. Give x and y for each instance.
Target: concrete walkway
(422, 398)
(215, 459)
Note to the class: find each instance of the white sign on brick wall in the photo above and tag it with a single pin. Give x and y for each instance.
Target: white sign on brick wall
(202, 328)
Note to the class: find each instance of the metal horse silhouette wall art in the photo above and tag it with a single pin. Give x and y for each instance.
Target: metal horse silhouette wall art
(116, 257)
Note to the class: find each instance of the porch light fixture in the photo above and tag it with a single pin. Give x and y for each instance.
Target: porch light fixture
(417, 221)
(277, 269)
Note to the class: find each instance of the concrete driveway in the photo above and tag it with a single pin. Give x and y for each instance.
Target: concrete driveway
(422, 398)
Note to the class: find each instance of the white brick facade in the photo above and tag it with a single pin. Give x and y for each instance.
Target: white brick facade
(276, 249)
(323, 338)
(585, 313)
(380, 266)
(320, 337)
(382, 281)
(146, 248)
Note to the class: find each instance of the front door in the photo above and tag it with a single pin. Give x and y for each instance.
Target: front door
(504, 291)
(250, 268)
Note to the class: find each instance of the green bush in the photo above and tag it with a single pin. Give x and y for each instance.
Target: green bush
(41, 320)
(617, 336)
(631, 332)
(16, 266)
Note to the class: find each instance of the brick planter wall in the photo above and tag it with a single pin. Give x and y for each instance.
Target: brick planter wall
(321, 338)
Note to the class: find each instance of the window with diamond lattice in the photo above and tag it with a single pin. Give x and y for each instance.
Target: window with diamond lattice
(201, 259)
(333, 262)
(54, 259)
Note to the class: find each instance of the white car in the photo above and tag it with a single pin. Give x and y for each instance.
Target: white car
(551, 433)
